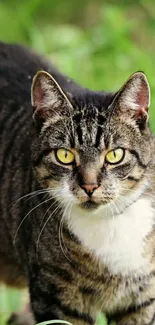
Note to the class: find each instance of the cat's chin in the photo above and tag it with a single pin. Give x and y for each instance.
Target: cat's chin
(89, 205)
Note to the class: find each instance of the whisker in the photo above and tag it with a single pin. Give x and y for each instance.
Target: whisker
(116, 207)
(37, 244)
(46, 212)
(110, 206)
(14, 240)
(34, 195)
(61, 231)
(29, 194)
(126, 190)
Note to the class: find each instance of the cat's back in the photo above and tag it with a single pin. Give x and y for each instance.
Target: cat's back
(18, 65)
(17, 68)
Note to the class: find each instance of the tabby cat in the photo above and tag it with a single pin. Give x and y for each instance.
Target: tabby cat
(77, 207)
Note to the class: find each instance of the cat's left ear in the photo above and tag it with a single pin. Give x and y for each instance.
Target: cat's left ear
(48, 99)
(133, 99)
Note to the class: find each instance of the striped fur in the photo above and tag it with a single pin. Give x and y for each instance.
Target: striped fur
(78, 253)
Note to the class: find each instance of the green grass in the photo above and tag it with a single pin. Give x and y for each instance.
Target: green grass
(10, 301)
(100, 45)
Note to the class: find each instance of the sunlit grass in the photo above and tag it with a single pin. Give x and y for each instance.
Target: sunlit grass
(10, 301)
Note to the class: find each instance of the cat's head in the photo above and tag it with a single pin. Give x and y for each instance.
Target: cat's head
(92, 150)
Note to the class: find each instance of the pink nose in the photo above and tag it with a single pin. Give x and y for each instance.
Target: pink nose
(89, 188)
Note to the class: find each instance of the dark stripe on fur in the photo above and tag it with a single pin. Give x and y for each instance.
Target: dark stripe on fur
(51, 298)
(88, 291)
(38, 159)
(62, 273)
(78, 269)
(98, 136)
(74, 312)
(133, 309)
(135, 153)
(152, 320)
(47, 177)
(14, 125)
(79, 133)
(101, 120)
(131, 178)
(143, 305)
(77, 118)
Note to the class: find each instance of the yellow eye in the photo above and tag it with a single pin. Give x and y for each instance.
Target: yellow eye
(115, 156)
(65, 156)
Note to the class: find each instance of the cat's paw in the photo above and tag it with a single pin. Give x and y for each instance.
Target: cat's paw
(21, 319)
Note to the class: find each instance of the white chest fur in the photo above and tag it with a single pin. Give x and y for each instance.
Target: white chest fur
(117, 241)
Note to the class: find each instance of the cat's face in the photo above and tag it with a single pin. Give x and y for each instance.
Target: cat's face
(93, 154)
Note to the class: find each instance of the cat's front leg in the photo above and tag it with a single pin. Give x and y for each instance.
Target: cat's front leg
(143, 316)
(51, 299)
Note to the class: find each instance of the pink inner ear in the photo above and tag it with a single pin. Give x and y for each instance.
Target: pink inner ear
(38, 94)
(142, 100)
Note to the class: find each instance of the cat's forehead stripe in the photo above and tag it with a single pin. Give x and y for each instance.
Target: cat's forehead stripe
(89, 126)
(77, 118)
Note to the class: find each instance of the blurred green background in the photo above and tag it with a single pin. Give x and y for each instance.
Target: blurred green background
(98, 43)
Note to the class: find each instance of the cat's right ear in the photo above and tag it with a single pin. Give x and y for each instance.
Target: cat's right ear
(133, 100)
(48, 99)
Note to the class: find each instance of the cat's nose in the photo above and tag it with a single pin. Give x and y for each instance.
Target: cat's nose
(89, 188)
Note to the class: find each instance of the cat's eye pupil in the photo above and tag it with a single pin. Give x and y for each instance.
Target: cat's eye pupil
(115, 156)
(64, 156)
